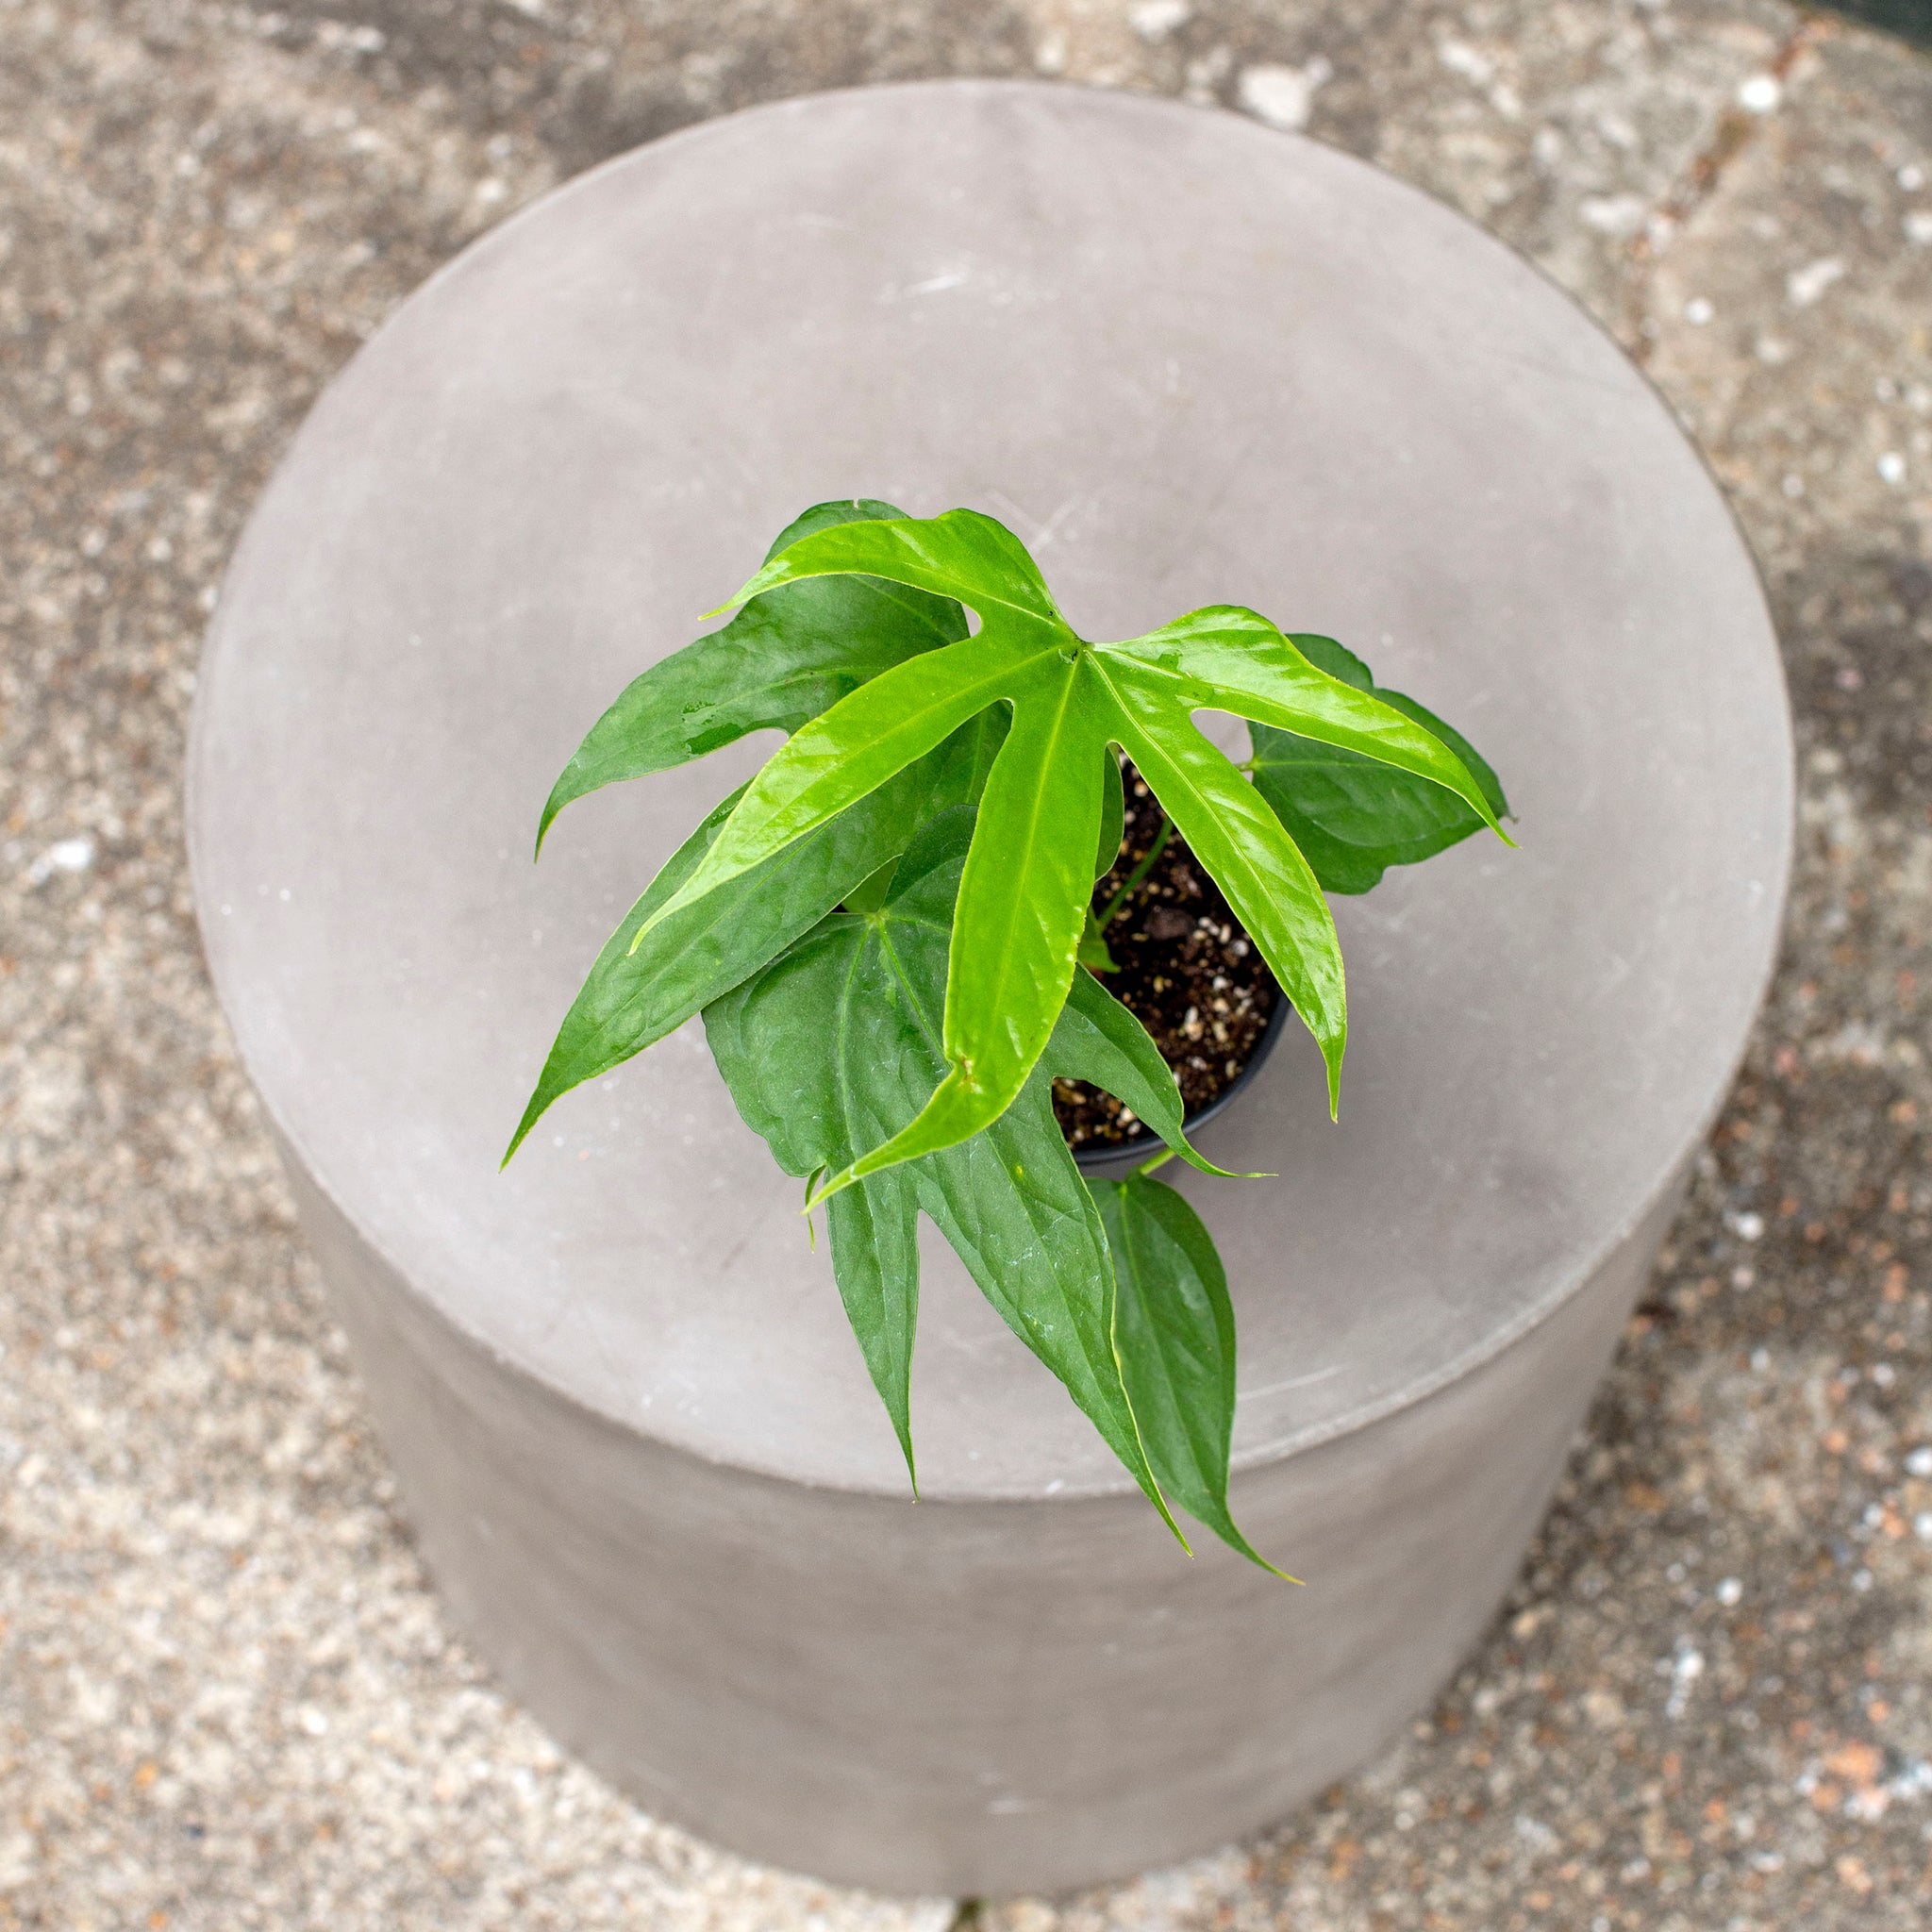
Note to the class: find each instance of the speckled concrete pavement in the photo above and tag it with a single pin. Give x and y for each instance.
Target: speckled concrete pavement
(226, 1699)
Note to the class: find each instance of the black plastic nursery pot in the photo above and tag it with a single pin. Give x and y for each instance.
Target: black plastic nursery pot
(1188, 361)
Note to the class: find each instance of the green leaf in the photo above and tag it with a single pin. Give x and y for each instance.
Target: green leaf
(834, 1044)
(644, 986)
(1174, 1326)
(1097, 1039)
(1266, 881)
(1092, 953)
(790, 654)
(1352, 816)
(1113, 814)
(1024, 896)
(962, 554)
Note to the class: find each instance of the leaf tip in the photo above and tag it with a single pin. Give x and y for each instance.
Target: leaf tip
(745, 596)
(825, 1190)
(552, 806)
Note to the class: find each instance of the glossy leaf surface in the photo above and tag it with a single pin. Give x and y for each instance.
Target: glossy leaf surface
(788, 655)
(1354, 816)
(634, 994)
(1023, 894)
(835, 1044)
(1173, 1324)
(1113, 815)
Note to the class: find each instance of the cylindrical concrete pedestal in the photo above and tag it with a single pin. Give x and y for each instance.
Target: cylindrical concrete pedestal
(1188, 362)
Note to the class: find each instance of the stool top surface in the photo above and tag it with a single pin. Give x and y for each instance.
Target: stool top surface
(1186, 360)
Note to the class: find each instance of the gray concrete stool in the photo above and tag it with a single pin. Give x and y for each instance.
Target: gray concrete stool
(1188, 361)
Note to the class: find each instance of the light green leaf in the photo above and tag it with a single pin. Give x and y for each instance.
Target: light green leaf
(1232, 659)
(788, 655)
(1174, 1326)
(1353, 816)
(1113, 814)
(644, 986)
(1232, 832)
(1022, 908)
(1022, 904)
(962, 554)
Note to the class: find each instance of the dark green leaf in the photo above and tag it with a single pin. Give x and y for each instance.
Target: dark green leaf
(1174, 1326)
(834, 1046)
(1094, 954)
(1353, 816)
(1097, 1039)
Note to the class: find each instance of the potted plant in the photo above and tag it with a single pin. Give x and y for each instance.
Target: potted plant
(900, 933)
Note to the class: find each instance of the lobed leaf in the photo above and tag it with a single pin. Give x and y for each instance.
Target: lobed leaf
(1233, 833)
(1022, 904)
(1232, 659)
(788, 655)
(962, 554)
(644, 985)
(1353, 816)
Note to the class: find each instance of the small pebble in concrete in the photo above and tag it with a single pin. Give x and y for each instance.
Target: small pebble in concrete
(1154, 19)
(1282, 97)
(66, 855)
(1804, 286)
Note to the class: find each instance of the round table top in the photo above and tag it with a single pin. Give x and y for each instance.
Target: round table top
(1188, 361)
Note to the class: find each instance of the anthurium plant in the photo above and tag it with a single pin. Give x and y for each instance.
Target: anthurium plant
(891, 936)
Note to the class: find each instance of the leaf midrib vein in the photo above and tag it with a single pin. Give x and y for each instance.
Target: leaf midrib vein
(1013, 907)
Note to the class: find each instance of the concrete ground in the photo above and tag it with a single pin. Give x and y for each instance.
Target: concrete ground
(226, 1698)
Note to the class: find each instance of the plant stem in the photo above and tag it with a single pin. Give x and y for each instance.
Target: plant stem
(1161, 1160)
(1136, 875)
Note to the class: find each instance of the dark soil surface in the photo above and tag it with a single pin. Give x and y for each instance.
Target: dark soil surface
(1187, 972)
